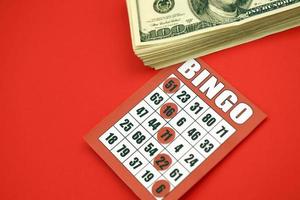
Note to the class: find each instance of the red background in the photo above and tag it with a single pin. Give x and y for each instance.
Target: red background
(60, 62)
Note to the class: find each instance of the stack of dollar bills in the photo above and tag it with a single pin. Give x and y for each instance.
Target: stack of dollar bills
(165, 32)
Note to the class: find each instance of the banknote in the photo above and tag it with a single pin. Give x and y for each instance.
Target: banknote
(159, 21)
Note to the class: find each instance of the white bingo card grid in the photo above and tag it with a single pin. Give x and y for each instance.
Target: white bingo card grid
(171, 128)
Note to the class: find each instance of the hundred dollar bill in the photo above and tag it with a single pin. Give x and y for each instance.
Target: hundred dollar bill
(163, 21)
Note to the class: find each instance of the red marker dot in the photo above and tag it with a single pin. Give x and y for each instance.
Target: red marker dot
(161, 188)
(171, 85)
(166, 135)
(168, 110)
(162, 162)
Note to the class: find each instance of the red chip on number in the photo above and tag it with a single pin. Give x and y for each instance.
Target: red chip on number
(171, 85)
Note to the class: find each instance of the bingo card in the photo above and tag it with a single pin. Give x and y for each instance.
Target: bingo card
(173, 130)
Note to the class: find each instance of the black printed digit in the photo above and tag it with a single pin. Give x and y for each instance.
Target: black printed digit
(194, 134)
(178, 148)
(184, 96)
(156, 98)
(181, 121)
(154, 124)
(135, 163)
(124, 151)
(138, 137)
(151, 149)
(222, 131)
(209, 120)
(126, 125)
(206, 146)
(169, 111)
(171, 85)
(176, 174)
(111, 138)
(191, 160)
(196, 108)
(148, 176)
(141, 112)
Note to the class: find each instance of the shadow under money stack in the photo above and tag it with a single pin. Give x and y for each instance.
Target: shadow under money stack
(165, 32)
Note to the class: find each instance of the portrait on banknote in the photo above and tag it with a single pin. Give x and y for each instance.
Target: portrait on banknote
(219, 11)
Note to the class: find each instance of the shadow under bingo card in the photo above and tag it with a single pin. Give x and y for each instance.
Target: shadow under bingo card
(173, 130)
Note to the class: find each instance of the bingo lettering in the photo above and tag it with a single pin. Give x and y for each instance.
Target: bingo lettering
(225, 100)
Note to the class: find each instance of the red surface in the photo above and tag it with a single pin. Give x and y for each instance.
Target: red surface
(60, 62)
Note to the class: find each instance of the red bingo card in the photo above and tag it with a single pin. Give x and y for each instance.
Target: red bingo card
(173, 130)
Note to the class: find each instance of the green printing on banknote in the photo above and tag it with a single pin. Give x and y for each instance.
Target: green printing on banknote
(208, 13)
